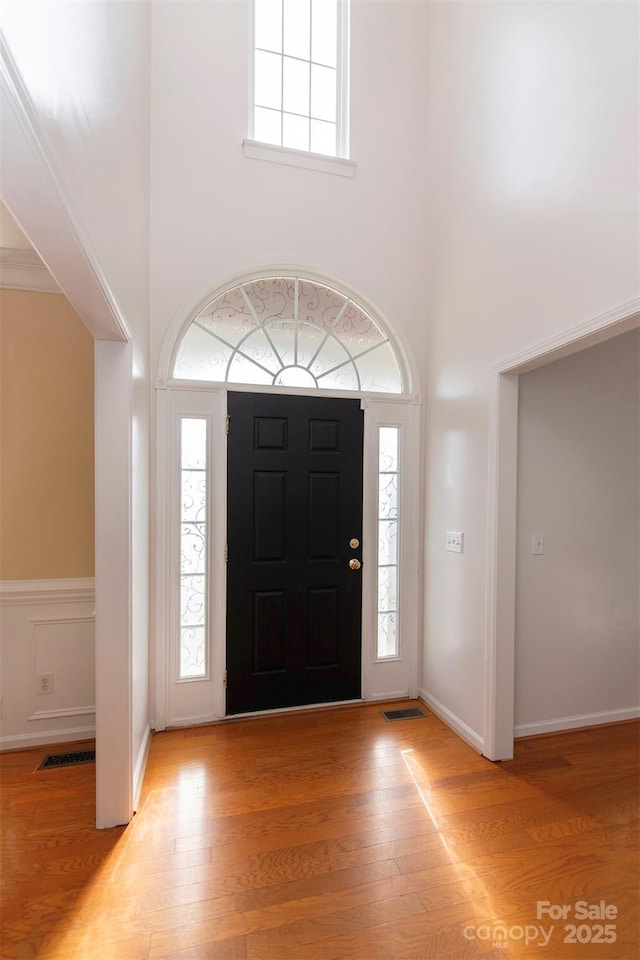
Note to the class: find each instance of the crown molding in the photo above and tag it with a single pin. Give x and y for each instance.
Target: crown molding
(24, 270)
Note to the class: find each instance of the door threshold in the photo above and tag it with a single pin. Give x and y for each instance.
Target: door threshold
(302, 707)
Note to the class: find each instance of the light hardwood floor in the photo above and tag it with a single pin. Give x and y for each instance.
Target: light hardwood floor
(328, 834)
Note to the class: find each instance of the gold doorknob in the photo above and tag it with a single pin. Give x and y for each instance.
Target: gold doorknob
(354, 564)
(354, 543)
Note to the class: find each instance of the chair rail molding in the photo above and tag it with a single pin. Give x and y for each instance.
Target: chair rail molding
(71, 590)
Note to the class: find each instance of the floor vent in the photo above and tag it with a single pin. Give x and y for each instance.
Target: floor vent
(413, 713)
(67, 759)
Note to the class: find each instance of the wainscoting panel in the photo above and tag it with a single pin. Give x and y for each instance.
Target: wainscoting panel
(47, 649)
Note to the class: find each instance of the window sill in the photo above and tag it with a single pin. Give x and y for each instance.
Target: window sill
(299, 158)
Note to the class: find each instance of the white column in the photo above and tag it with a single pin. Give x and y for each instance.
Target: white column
(113, 412)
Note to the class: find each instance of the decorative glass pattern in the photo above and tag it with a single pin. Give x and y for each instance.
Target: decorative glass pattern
(299, 74)
(388, 520)
(193, 548)
(289, 332)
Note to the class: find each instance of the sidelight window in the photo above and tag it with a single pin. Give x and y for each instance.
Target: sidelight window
(193, 548)
(388, 527)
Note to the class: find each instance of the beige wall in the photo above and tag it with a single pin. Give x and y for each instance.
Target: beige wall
(46, 429)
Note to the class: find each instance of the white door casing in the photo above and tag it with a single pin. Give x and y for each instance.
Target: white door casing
(201, 700)
(502, 503)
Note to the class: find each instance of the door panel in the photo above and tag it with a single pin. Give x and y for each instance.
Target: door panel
(323, 627)
(269, 516)
(269, 631)
(324, 516)
(294, 503)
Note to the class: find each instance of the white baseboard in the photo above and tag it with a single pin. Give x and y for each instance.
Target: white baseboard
(573, 723)
(24, 741)
(141, 764)
(455, 723)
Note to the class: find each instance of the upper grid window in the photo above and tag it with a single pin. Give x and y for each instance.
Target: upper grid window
(300, 75)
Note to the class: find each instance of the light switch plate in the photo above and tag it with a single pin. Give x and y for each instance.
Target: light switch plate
(455, 541)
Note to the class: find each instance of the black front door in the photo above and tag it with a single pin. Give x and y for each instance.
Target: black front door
(294, 505)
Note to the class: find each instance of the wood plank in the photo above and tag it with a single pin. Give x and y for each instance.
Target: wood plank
(321, 834)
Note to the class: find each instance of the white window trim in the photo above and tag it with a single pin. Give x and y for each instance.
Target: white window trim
(340, 164)
(343, 118)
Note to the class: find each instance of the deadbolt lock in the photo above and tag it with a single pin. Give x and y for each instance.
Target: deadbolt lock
(354, 543)
(354, 564)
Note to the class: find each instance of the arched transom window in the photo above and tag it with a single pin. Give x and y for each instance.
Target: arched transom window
(289, 331)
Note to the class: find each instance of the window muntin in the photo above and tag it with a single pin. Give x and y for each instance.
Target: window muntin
(300, 75)
(193, 548)
(291, 332)
(387, 645)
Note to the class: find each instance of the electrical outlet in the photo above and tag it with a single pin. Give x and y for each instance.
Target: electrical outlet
(537, 544)
(455, 541)
(45, 683)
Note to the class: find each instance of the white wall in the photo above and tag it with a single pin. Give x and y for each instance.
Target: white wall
(216, 213)
(84, 69)
(78, 184)
(577, 615)
(532, 127)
